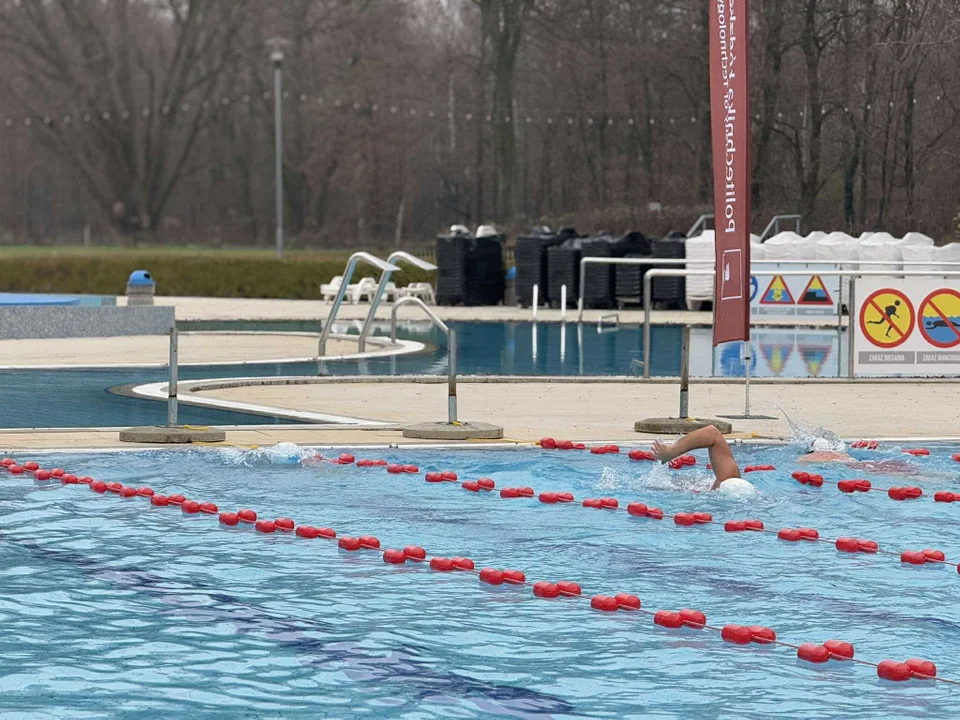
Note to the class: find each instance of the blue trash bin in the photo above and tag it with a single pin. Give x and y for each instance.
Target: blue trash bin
(140, 288)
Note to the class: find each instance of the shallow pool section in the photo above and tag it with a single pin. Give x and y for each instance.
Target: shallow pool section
(111, 606)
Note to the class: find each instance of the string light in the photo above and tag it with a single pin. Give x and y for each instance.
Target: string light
(410, 110)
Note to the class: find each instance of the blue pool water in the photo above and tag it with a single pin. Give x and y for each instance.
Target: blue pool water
(112, 607)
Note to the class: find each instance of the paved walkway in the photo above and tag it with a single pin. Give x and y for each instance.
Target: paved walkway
(154, 349)
(602, 410)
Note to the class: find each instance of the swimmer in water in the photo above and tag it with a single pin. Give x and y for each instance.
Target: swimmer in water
(821, 451)
(725, 468)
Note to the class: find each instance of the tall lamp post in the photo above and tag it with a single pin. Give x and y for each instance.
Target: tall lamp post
(276, 57)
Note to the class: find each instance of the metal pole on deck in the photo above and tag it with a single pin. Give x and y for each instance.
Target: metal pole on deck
(172, 383)
(685, 374)
(851, 327)
(452, 376)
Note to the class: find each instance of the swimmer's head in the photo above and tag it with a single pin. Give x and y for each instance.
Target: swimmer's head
(820, 445)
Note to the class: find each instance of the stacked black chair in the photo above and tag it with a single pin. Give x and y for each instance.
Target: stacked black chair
(470, 270)
(563, 268)
(531, 261)
(598, 291)
(451, 266)
(670, 291)
(483, 273)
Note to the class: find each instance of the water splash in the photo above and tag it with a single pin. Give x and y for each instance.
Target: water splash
(280, 454)
(803, 433)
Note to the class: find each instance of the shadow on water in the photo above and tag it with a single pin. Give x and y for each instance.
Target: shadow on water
(204, 604)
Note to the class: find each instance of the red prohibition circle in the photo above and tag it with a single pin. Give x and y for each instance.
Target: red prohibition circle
(928, 300)
(870, 301)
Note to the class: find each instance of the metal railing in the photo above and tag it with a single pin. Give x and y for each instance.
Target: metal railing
(451, 349)
(774, 224)
(344, 286)
(852, 274)
(668, 262)
(382, 286)
(700, 225)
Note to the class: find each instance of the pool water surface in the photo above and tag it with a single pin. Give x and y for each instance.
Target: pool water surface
(113, 606)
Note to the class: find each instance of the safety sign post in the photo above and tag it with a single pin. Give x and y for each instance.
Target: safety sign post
(906, 327)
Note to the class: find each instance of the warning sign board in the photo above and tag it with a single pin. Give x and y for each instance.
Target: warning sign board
(886, 318)
(777, 293)
(815, 293)
(776, 290)
(939, 318)
(907, 327)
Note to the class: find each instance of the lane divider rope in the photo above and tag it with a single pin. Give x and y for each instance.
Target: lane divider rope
(911, 668)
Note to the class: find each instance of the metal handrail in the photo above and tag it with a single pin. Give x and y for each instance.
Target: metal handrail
(382, 286)
(700, 224)
(712, 261)
(344, 285)
(419, 303)
(451, 349)
(775, 221)
(652, 274)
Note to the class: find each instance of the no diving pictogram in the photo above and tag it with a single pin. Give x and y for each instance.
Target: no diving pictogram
(939, 318)
(886, 318)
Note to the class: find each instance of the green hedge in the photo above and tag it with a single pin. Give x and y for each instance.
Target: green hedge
(202, 274)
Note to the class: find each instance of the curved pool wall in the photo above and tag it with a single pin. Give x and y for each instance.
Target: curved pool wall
(81, 397)
(166, 614)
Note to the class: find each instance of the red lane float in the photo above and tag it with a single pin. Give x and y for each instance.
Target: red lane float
(604, 603)
(638, 509)
(805, 478)
(893, 670)
(758, 468)
(839, 649)
(865, 444)
(811, 652)
(683, 461)
(923, 669)
(917, 452)
(946, 496)
(642, 455)
(43, 475)
(569, 589)
(626, 601)
(546, 590)
(415, 553)
(854, 545)
(956, 457)
(852, 486)
(247, 516)
(155, 500)
(229, 519)
(442, 564)
(31, 466)
(904, 493)
(668, 619)
(394, 557)
(737, 634)
(350, 544)
(266, 526)
(285, 524)
(548, 443)
(693, 618)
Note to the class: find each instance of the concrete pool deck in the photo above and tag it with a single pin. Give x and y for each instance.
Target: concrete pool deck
(585, 411)
(254, 309)
(195, 348)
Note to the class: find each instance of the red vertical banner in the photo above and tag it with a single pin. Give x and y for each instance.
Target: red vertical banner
(730, 113)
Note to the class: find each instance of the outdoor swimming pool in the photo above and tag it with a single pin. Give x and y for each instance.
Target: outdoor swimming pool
(114, 606)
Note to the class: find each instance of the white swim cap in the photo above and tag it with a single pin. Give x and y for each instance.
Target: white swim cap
(736, 487)
(821, 445)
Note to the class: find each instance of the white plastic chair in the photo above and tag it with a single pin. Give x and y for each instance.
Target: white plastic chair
(367, 287)
(329, 290)
(422, 290)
